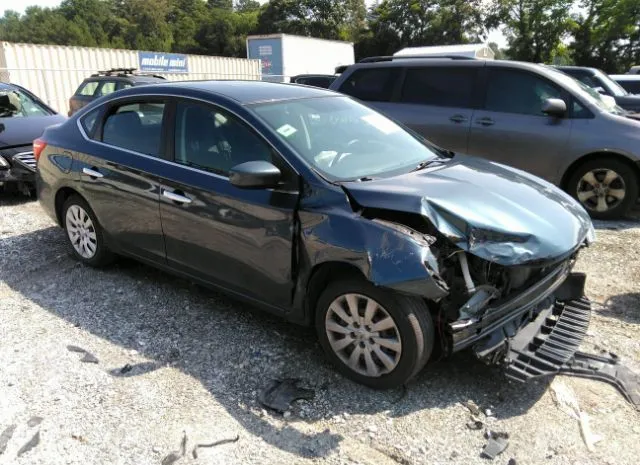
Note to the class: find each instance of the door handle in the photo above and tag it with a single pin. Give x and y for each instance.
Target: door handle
(175, 197)
(92, 173)
(486, 121)
(458, 119)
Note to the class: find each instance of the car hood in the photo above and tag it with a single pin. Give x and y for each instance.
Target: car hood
(16, 131)
(498, 213)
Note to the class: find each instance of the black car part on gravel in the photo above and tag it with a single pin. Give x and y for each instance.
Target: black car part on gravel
(549, 345)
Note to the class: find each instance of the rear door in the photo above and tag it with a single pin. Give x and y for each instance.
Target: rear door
(511, 128)
(437, 102)
(119, 174)
(236, 238)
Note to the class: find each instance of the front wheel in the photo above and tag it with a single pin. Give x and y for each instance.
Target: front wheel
(606, 188)
(374, 336)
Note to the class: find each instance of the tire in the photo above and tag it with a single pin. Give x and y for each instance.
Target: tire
(412, 323)
(591, 194)
(81, 224)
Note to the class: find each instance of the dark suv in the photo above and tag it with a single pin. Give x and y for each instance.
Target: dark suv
(106, 82)
(601, 82)
(529, 116)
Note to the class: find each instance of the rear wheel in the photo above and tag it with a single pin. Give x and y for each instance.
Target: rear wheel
(374, 336)
(606, 188)
(84, 233)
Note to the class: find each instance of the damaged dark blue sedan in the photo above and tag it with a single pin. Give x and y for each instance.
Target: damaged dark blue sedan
(321, 210)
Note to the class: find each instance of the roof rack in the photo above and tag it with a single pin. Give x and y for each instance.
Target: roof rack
(411, 57)
(123, 72)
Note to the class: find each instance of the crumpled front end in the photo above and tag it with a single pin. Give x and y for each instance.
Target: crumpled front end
(18, 167)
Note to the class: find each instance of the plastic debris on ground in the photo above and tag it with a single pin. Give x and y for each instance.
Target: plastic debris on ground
(194, 453)
(497, 443)
(279, 395)
(33, 442)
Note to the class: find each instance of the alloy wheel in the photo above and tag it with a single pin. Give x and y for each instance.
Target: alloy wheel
(601, 190)
(81, 231)
(363, 335)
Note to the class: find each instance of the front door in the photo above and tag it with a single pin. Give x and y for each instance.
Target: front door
(511, 128)
(237, 238)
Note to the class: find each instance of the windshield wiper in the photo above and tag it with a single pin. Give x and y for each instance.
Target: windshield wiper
(426, 163)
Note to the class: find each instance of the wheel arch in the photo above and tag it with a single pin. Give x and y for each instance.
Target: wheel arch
(635, 166)
(61, 197)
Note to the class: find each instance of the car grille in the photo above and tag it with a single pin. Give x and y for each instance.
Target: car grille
(26, 159)
(557, 339)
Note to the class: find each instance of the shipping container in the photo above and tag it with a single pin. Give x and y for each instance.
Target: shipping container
(284, 55)
(54, 72)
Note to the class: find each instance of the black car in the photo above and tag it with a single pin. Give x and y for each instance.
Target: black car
(316, 80)
(600, 81)
(23, 118)
(323, 211)
(106, 82)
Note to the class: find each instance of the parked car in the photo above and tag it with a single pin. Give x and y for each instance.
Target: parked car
(23, 118)
(630, 82)
(634, 70)
(321, 210)
(602, 83)
(316, 80)
(106, 82)
(532, 117)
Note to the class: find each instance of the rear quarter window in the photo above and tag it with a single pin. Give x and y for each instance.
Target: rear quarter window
(88, 88)
(374, 84)
(88, 122)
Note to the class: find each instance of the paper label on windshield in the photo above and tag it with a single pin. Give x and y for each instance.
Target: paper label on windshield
(287, 130)
(381, 123)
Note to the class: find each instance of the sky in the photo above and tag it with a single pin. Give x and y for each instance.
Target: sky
(21, 5)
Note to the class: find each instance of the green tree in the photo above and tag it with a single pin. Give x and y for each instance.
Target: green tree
(356, 20)
(247, 6)
(317, 18)
(534, 28)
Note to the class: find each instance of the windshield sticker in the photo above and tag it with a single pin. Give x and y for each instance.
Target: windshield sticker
(287, 130)
(381, 123)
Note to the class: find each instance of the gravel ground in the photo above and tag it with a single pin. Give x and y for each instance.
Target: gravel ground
(199, 360)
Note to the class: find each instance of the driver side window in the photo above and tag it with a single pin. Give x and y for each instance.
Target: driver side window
(523, 93)
(213, 140)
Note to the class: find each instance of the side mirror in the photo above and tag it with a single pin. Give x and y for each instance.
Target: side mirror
(255, 175)
(554, 107)
(600, 90)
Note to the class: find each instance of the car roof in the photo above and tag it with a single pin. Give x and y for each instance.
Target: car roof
(625, 77)
(7, 86)
(123, 77)
(248, 92)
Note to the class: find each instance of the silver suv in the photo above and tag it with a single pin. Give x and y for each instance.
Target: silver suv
(529, 116)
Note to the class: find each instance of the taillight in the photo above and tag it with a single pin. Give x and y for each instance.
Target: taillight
(38, 147)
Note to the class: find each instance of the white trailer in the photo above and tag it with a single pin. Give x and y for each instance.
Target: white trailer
(481, 51)
(283, 55)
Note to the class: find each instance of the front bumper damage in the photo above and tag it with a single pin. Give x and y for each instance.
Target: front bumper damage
(19, 170)
(542, 337)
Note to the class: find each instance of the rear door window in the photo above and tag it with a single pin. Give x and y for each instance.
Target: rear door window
(510, 91)
(136, 127)
(107, 87)
(442, 86)
(88, 88)
(375, 84)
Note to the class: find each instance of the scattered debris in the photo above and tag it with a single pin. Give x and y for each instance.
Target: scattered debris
(174, 456)
(497, 443)
(5, 436)
(567, 402)
(475, 423)
(278, 395)
(473, 407)
(125, 369)
(79, 438)
(88, 356)
(136, 369)
(34, 421)
(488, 412)
(33, 442)
(512, 461)
(194, 453)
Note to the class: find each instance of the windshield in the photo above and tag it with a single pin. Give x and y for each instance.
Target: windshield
(16, 103)
(613, 87)
(345, 140)
(604, 102)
